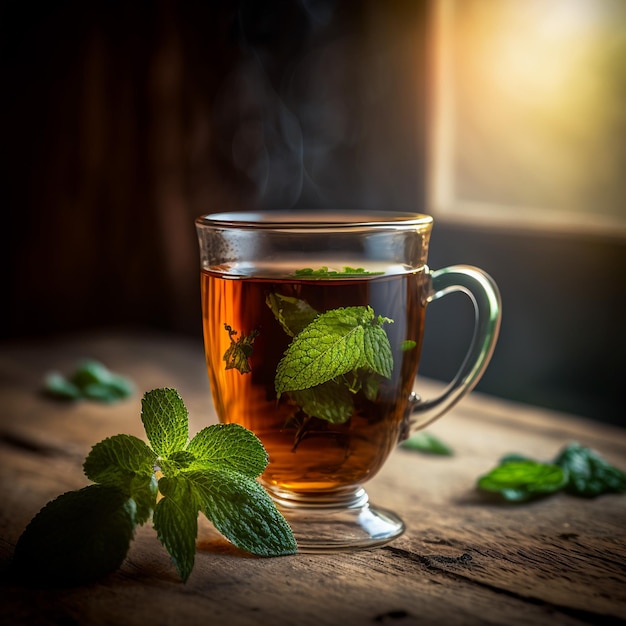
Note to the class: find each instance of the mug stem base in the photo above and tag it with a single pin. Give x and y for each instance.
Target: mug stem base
(336, 522)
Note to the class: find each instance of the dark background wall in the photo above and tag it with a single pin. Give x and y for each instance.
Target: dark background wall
(121, 122)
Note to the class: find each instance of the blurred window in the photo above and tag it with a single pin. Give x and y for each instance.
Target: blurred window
(530, 109)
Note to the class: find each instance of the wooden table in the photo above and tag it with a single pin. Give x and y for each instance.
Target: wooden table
(463, 560)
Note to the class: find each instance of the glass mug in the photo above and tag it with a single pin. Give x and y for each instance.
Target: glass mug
(313, 326)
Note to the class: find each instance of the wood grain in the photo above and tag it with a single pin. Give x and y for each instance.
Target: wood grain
(464, 559)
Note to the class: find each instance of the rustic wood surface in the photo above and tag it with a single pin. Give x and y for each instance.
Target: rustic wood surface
(464, 559)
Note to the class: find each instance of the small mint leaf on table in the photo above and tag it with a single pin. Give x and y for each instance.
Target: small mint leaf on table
(228, 446)
(165, 420)
(58, 386)
(585, 473)
(97, 382)
(76, 538)
(590, 475)
(90, 380)
(523, 480)
(423, 441)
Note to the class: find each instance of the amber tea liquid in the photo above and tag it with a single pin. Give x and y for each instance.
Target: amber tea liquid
(309, 454)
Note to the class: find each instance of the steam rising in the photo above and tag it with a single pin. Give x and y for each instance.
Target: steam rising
(284, 119)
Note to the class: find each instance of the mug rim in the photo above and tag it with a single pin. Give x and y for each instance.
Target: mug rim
(314, 219)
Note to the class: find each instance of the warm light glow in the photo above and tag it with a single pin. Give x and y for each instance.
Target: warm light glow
(529, 101)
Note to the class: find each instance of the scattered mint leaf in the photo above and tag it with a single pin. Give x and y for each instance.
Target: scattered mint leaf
(590, 475)
(85, 534)
(164, 418)
(293, 314)
(423, 441)
(76, 538)
(522, 480)
(324, 272)
(239, 352)
(584, 473)
(90, 380)
(407, 345)
(56, 385)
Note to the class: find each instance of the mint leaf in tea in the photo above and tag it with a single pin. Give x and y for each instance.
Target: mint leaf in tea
(238, 353)
(335, 343)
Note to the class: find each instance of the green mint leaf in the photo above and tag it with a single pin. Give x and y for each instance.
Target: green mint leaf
(57, 386)
(176, 521)
(76, 538)
(332, 345)
(329, 401)
(239, 352)
(117, 460)
(377, 349)
(370, 383)
(165, 420)
(325, 272)
(143, 491)
(243, 512)
(293, 314)
(88, 372)
(91, 380)
(407, 345)
(590, 475)
(177, 462)
(125, 462)
(97, 382)
(523, 480)
(229, 446)
(424, 441)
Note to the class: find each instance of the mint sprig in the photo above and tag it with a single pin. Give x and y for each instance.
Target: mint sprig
(83, 535)
(332, 356)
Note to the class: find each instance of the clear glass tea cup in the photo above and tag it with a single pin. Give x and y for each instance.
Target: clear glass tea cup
(313, 325)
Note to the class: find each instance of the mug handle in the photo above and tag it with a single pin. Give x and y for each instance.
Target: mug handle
(485, 296)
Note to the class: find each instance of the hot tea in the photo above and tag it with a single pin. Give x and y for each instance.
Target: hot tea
(317, 362)
(313, 324)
